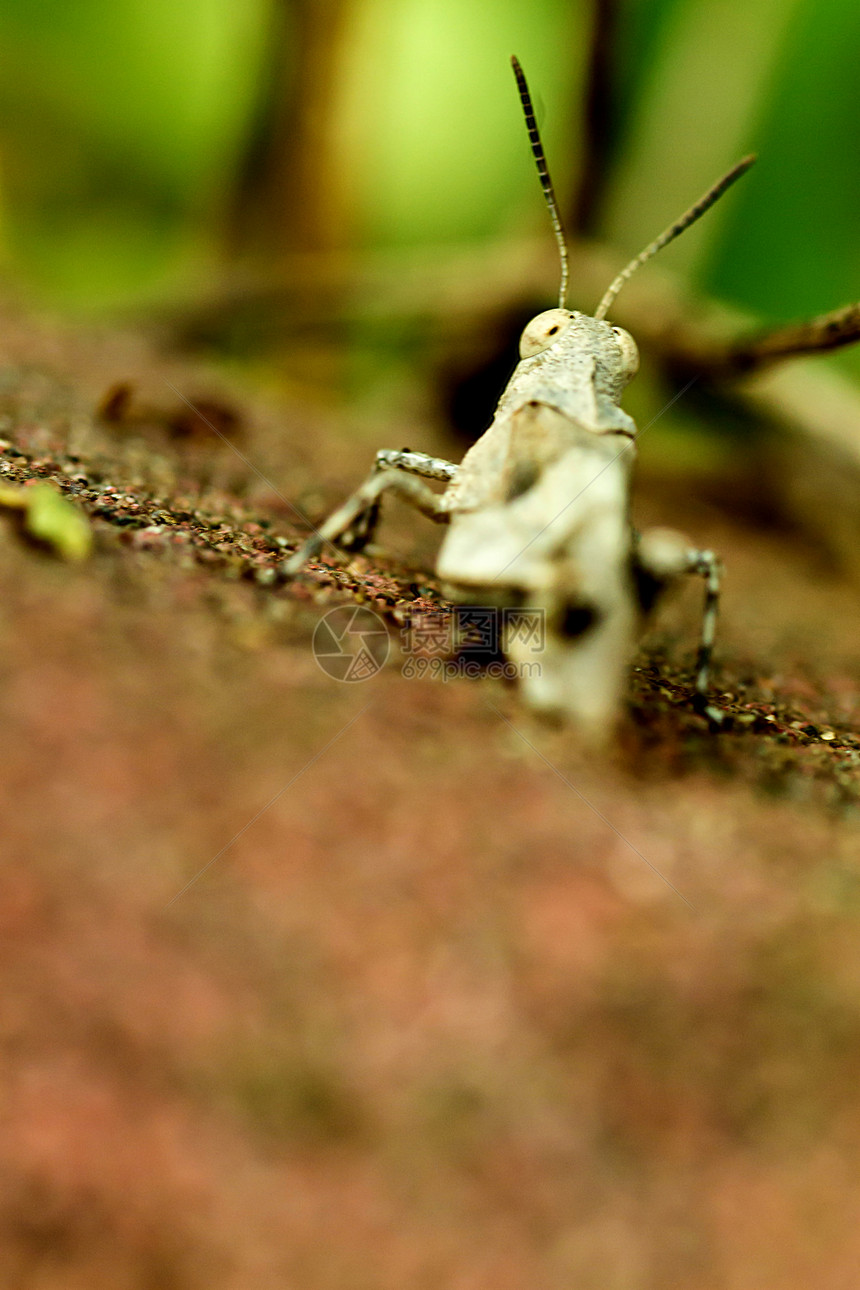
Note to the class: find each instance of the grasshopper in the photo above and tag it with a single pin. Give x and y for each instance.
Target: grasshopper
(538, 510)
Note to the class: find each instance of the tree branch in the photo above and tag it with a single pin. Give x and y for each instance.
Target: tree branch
(828, 331)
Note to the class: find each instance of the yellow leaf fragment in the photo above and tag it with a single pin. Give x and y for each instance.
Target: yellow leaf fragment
(51, 518)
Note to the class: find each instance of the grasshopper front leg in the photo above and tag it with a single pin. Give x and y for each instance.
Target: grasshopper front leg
(363, 528)
(362, 508)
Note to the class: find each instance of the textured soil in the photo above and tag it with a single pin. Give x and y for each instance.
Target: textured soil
(383, 985)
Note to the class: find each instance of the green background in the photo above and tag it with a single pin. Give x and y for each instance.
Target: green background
(126, 126)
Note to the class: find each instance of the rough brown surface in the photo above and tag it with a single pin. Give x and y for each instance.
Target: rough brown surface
(449, 1001)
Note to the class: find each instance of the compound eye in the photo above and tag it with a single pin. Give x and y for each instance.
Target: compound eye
(629, 351)
(543, 331)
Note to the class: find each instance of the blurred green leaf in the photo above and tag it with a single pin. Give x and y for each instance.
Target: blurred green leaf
(125, 126)
(51, 518)
(789, 244)
(121, 121)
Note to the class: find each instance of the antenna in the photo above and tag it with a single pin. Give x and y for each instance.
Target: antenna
(545, 181)
(698, 209)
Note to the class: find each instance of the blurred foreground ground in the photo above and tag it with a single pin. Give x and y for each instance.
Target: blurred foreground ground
(431, 1018)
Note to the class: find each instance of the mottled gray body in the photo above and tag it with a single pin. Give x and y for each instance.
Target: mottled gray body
(538, 510)
(538, 517)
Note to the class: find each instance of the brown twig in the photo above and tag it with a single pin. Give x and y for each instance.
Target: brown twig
(454, 293)
(829, 331)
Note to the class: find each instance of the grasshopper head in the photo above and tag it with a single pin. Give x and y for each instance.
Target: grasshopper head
(565, 336)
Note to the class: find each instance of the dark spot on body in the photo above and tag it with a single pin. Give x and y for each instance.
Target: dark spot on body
(577, 620)
(647, 588)
(523, 476)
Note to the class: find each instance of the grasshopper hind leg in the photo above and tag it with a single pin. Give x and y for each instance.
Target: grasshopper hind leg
(707, 565)
(660, 557)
